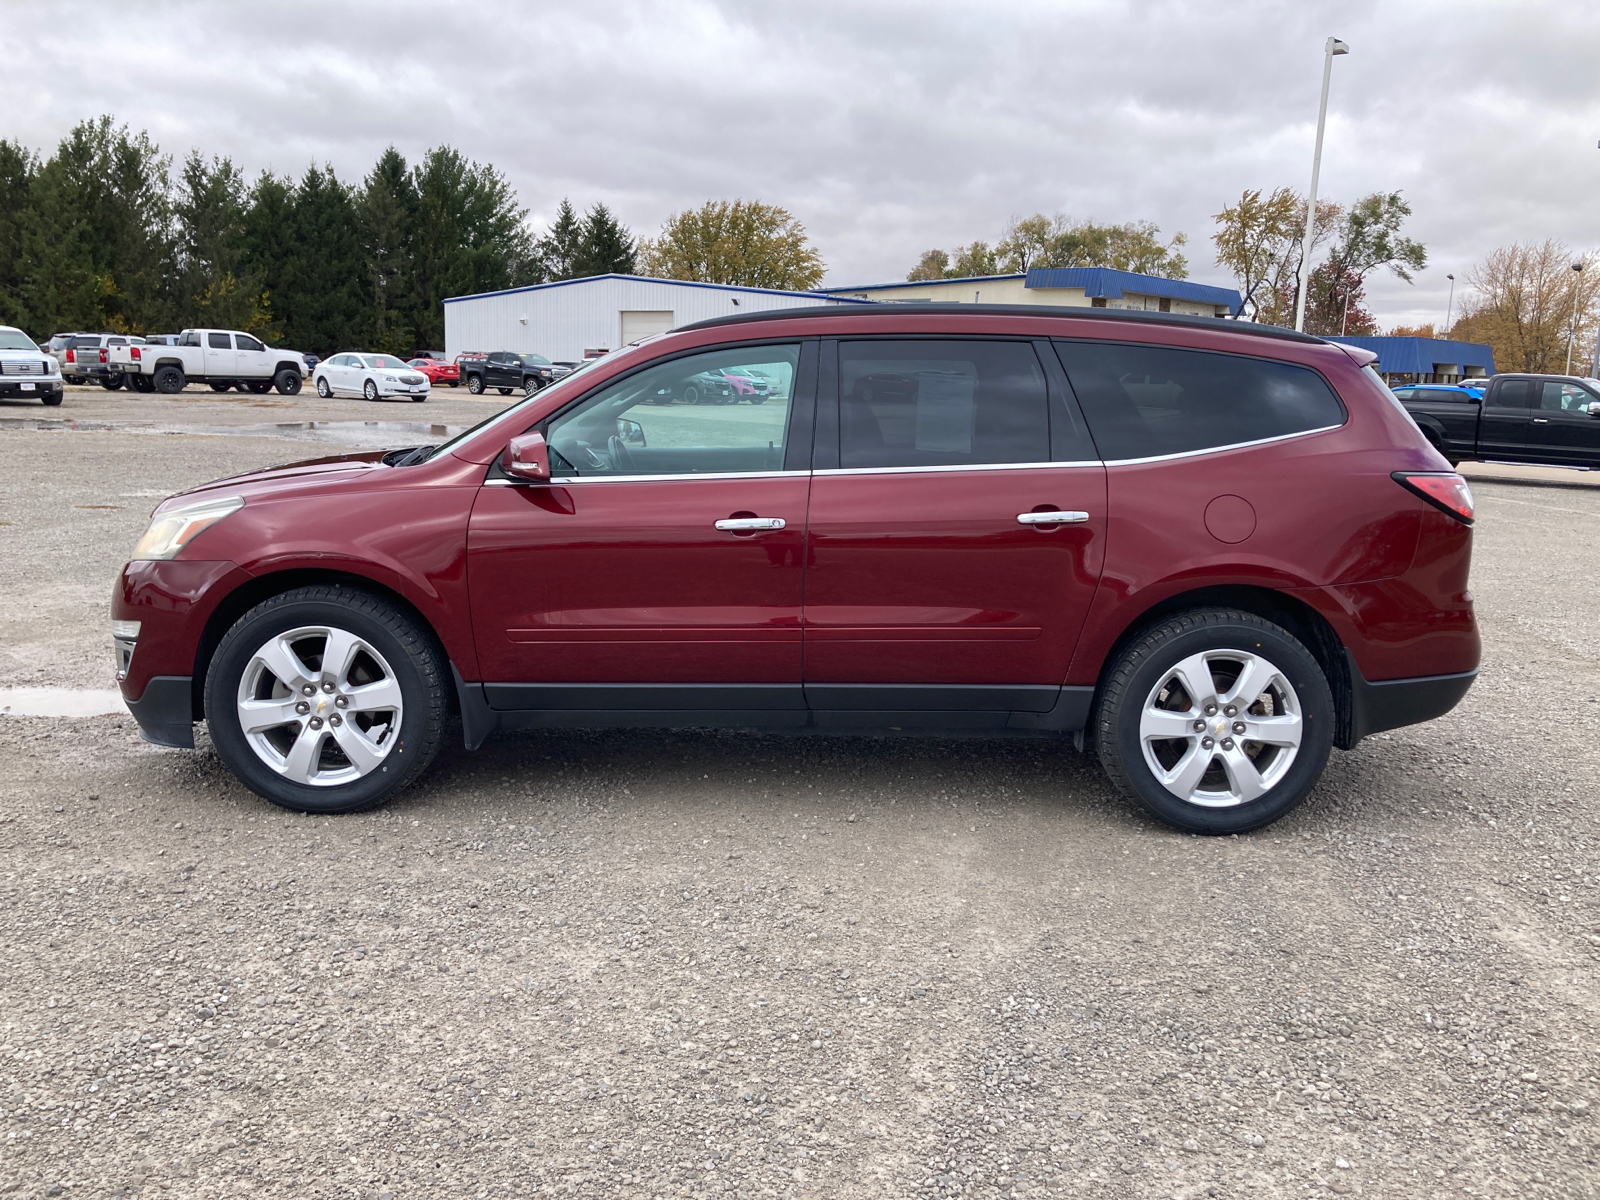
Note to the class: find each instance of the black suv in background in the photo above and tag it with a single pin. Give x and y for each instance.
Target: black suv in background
(1547, 420)
(507, 370)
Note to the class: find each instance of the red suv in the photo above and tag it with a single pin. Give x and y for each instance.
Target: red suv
(1209, 551)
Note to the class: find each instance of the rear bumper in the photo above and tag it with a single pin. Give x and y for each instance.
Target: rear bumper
(165, 712)
(1391, 703)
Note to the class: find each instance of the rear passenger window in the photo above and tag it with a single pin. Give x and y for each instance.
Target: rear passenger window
(941, 404)
(1148, 401)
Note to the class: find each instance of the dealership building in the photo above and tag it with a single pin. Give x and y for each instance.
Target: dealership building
(1069, 287)
(582, 318)
(1403, 360)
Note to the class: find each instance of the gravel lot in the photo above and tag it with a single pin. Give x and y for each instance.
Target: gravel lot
(699, 964)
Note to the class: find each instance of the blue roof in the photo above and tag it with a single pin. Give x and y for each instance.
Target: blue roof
(1104, 281)
(1417, 356)
(721, 287)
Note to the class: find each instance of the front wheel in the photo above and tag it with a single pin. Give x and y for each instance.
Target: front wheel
(323, 389)
(529, 387)
(287, 381)
(51, 399)
(370, 390)
(327, 699)
(1216, 721)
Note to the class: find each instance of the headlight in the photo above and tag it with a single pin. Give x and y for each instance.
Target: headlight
(391, 379)
(174, 529)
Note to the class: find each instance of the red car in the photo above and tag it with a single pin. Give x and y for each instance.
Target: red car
(1208, 551)
(437, 370)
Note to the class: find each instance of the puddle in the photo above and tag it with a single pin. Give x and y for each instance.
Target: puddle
(61, 702)
(352, 435)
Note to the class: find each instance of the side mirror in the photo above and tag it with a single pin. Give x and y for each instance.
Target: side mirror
(527, 458)
(631, 432)
(1594, 409)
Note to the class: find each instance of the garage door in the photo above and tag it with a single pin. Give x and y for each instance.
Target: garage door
(638, 323)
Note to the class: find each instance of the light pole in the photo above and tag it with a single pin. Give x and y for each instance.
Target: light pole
(1334, 46)
(1450, 307)
(1572, 333)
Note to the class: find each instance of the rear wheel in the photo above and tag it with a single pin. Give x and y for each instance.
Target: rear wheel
(141, 383)
(261, 388)
(504, 391)
(170, 380)
(327, 699)
(475, 384)
(1216, 721)
(113, 383)
(220, 387)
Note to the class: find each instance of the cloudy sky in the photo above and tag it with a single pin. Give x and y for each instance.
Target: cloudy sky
(886, 127)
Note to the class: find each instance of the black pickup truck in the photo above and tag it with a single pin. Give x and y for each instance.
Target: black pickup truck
(506, 370)
(1551, 420)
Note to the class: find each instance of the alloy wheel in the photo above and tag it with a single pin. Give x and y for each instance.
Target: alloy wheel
(1221, 728)
(320, 706)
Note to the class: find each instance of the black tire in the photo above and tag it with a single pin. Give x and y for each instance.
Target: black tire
(411, 653)
(141, 383)
(455, 383)
(323, 389)
(220, 387)
(504, 391)
(418, 399)
(370, 390)
(169, 380)
(691, 395)
(288, 382)
(758, 399)
(113, 383)
(53, 398)
(261, 388)
(1144, 665)
(475, 384)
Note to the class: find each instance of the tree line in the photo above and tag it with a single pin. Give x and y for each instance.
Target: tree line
(1059, 241)
(109, 234)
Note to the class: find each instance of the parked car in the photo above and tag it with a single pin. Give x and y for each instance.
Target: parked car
(1552, 420)
(437, 370)
(372, 376)
(507, 370)
(27, 372)
(223, 358)
(1208, 552)
(91, 358)
(311, 361)
(436, 355)
(704, 387)
(746, 385)
(163, 339)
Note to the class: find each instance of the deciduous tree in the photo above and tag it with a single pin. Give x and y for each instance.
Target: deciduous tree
(743, 242)
(1522, 302)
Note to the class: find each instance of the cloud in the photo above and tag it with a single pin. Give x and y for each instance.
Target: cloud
(886, 127)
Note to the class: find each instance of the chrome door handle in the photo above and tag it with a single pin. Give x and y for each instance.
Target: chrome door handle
(1052, 518)
(1541, 420)
(740, 524)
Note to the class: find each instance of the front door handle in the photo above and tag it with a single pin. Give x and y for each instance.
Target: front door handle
(1541, 420)
(1052, 518)
(742, 524)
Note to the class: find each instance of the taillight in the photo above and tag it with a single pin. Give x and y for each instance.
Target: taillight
(104, 357)
(71, 358)
(1443, 489)
(135, 353)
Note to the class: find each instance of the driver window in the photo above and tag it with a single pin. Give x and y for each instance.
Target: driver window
(724, 411)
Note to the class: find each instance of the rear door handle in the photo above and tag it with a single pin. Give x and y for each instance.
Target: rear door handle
(739, 524)
(1052, 518)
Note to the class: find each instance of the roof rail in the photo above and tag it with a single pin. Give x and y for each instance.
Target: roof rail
(1062, 312)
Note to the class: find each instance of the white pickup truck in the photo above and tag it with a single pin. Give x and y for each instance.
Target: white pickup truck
(224, 358)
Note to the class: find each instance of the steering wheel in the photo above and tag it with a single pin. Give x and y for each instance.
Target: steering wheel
(621, 456)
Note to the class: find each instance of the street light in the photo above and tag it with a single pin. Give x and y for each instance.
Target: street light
(1572, 333)
(1451, 306)
(1334, 46)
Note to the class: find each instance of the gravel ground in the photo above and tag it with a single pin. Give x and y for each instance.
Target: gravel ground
(698, 964)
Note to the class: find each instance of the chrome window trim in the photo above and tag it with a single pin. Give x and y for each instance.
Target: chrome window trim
(570, 479)
(1282, 437)
(945, 468)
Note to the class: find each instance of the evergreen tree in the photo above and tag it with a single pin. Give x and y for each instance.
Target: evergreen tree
(18, 166)
(559, 248)
(215, 288)
(324, 307)
(605, 247)
(268, 245)
(389, 212)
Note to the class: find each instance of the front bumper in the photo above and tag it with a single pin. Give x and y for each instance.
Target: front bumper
(402, 389)
(165, 712)
(29, 389)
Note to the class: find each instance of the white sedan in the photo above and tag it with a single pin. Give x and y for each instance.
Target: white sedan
(369, 375)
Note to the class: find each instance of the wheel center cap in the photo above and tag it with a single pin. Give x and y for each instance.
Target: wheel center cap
(1218, 727)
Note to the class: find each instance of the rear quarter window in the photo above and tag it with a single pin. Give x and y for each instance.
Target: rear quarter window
(1148, 401)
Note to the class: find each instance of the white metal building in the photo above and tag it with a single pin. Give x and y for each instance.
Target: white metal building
(577, 317)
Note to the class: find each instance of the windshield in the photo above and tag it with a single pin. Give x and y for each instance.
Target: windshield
(383, 360)
(536, 360)
(562, 387)
(11, 339)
